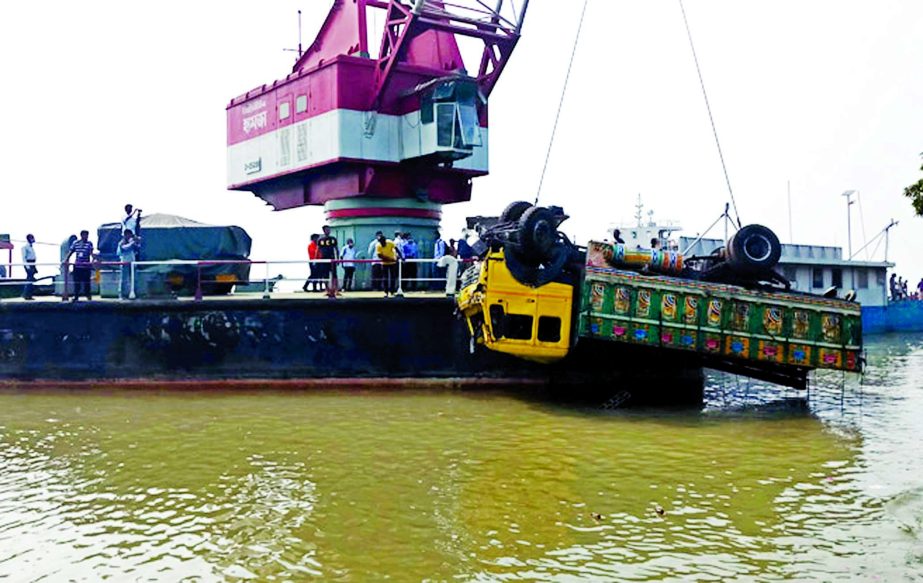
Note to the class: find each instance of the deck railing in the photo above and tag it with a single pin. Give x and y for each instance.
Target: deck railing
(403, 284)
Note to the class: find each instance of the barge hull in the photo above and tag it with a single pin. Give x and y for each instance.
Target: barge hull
(301, 343)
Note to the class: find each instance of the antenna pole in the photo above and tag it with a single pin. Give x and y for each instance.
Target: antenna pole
(299, 34)
(887, 235)
(727, 218)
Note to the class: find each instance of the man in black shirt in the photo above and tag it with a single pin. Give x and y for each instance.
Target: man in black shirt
(327, 250)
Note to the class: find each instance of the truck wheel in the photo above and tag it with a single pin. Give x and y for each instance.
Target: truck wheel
(513, 211)
(537, 233)
(754, 248)
(538, 274)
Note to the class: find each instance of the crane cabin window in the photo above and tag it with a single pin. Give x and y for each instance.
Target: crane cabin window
(468, 123)
(445, 125)
(285, 110)
(301, 104)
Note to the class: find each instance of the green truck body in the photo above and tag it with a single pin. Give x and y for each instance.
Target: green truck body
(773, 328)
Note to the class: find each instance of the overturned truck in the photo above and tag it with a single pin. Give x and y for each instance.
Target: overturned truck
(535, 295)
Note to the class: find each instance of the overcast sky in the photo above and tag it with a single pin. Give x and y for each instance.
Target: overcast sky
(112, 102)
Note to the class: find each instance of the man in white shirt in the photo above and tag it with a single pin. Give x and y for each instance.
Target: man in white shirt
(132, 220)
(128, 254)
(376, 267)
(348, 254)
(28, 260)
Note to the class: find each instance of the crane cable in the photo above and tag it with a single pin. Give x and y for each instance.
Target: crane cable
(561, 102)
(710, 117)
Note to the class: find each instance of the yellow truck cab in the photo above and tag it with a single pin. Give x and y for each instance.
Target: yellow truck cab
(504, 315)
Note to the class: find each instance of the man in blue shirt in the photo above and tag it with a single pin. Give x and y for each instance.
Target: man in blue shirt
(439, 251)
(464, 249)
(410, 251)
(82, 265)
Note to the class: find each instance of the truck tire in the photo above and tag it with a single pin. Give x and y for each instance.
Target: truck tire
(513, 211)
(537, 234)
(537, 275)
(753, 249)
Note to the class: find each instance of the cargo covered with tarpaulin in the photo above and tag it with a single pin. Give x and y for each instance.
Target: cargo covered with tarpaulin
(168, 238)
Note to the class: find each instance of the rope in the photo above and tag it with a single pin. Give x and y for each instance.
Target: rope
(710, 117)
(561, 102)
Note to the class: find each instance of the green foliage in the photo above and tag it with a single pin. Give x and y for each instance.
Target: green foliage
(915, 193)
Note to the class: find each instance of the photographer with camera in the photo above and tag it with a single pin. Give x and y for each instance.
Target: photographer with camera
(132, 220)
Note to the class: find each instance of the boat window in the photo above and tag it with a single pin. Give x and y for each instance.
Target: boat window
(837, 277)
(790, 273)
(549, 329)
(862, 278)
(285, 110)
(817, 277)
(301, 104)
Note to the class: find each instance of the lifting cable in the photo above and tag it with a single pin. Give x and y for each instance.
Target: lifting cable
(561, 102)
(710, 117)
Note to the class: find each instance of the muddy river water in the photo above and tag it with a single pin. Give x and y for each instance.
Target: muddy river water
(473, 486)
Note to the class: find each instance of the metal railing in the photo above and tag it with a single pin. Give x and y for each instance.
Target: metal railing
(449, 264)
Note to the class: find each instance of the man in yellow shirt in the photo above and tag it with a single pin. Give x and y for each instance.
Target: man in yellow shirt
(389, 254)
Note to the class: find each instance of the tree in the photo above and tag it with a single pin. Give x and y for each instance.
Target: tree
(915, 193)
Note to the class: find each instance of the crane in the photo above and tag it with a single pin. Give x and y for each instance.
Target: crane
(382, 142)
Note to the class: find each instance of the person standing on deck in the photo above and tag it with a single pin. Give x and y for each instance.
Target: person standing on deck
(892, 287)
(465, 251)
(617, 237)
(410, 252)
(28, 260)
(327, 250)
(132, 220)
(82, 265)
(371, 253)
(920, 289)
(312, 267)
(128, 254)
(389, 254)
(439, 251)
(348, 254)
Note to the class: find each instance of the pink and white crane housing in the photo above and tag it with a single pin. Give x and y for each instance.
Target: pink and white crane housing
(384, 140)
